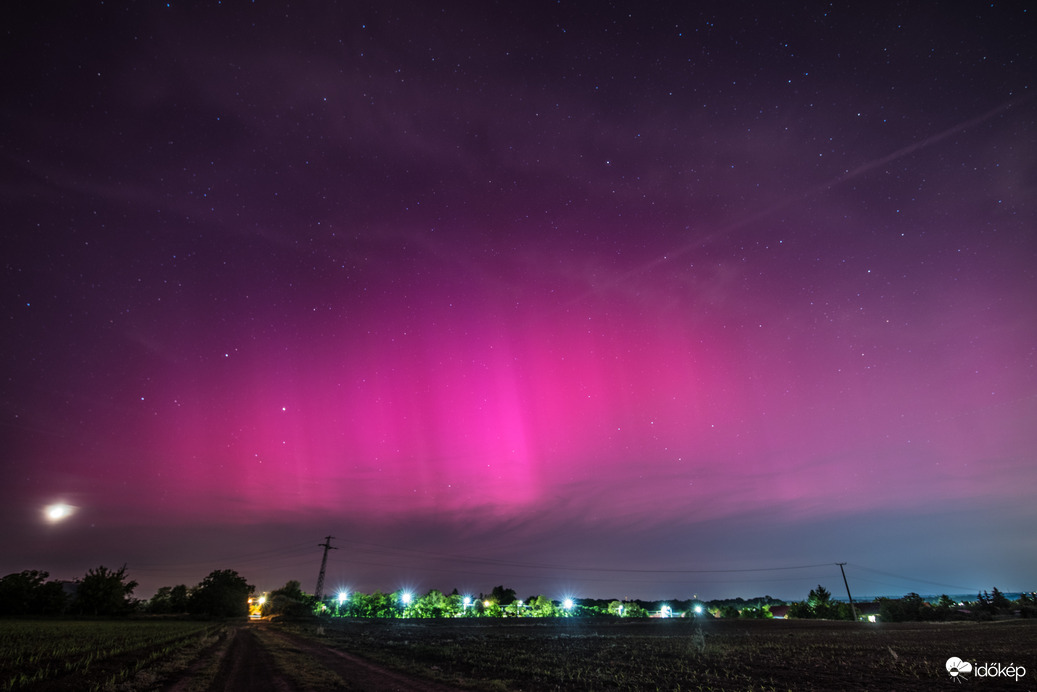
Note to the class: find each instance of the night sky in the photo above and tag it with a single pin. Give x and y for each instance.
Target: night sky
(644, 301)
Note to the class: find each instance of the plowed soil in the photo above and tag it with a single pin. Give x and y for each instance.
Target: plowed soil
(256, 657)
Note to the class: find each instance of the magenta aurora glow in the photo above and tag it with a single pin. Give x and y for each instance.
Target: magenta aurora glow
(572, 298)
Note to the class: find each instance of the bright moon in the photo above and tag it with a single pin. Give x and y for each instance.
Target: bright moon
(58, 512)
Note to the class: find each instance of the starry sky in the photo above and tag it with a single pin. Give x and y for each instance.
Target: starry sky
(614, 300)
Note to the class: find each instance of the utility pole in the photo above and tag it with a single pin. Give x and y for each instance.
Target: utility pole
(846, 583)
(323, 564)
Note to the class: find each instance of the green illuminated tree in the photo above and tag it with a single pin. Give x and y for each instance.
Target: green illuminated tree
(434, 604)
(542, 607)
(373, 605)
(820, 601)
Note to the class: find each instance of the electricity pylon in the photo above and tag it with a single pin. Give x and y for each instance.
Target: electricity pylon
(323, 565)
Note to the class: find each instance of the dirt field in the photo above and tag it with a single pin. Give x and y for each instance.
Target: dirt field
(558, 654)
(610, 654)
(260, 657)
(244, 656)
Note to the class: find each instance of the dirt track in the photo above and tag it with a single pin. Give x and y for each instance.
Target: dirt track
(259, 658)
(247, 666)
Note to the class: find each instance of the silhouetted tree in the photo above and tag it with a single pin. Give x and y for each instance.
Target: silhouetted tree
(819, 604)
(159, 603)
(179, 598)
(104, 592)
(288, 600)
(801, 610)
(1027, 605)
(502, 596)
(224, 593)
(29, 593)
(944, 609)
(169, 599)
(910, 608)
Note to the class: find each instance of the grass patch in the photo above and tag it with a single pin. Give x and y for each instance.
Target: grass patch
(305, 672)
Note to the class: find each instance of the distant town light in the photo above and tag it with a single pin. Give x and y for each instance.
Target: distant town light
(567, 604)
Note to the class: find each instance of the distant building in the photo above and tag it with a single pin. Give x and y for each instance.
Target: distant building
(868, 611)
(665, 612)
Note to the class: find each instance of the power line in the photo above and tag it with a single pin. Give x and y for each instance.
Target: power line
(263, 556)
(912, 579)
(533, 565)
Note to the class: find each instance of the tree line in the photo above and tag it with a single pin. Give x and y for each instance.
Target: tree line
(104, 592)
(915, 608)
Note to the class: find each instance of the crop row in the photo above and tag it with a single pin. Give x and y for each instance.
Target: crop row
(32, 651)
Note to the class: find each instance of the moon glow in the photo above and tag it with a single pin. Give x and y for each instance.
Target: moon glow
(58, 512)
